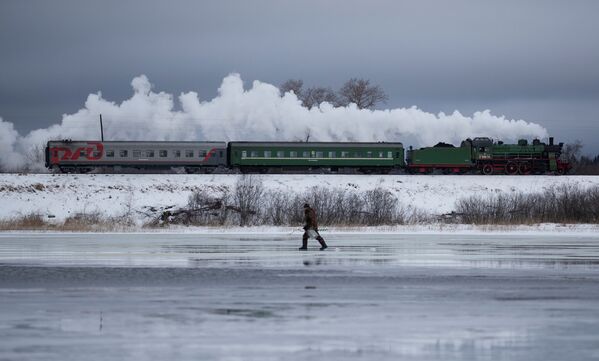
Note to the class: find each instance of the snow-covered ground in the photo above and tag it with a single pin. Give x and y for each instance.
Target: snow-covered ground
(59, 196)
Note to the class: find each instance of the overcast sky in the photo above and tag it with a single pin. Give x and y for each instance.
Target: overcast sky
(531, 60)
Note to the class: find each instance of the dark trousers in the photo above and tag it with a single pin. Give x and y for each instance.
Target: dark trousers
(307, 235)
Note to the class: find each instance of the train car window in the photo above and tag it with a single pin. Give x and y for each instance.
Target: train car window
(202, 153)
(137, 154)
(344, 154)
(267, 154)
(110, 153)
(331, 154)
(82, 153)
(313, 153)
(389, 154)
(162, 153)
(305, 154)
(319, 154)
(397, 154)
(254, 154)
(481, 149)
(357, 154)
(150, 153)
(280, 154)
(293, 154)
(123, 153)
(188, 153)
(177, 153)
(380, 154)
(96, 154)
(244, 154)
(369, 154)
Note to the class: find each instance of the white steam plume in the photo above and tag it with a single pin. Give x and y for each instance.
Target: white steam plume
(259, 113)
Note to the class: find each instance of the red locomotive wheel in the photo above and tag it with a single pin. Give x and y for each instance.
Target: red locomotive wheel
(488, 169)
(511, 168)
(524, 168)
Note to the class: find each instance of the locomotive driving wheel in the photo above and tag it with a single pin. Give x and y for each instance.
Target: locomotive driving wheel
(524, 168)
(487, 169)
(511, 168)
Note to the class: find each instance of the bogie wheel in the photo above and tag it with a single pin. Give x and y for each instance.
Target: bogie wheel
(524, 168)
(511, 168)
(487, 169)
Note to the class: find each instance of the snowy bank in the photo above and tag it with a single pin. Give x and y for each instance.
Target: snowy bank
(57, 197)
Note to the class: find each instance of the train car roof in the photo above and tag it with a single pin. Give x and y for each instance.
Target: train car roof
(321, 144)
(139, 141)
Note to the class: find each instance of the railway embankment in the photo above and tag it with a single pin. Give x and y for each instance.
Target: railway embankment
(121, 202)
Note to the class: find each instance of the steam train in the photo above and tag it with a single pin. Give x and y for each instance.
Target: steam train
(478, 155)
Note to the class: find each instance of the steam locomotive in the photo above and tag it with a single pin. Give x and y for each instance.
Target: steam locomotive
(478, 155)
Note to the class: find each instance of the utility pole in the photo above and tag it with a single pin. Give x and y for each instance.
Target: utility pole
(101, 128)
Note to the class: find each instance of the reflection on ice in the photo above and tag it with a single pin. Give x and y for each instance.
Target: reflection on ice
(185, 250)
(383, 297)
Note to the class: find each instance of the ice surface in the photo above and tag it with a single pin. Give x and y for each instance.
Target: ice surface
(255, 297)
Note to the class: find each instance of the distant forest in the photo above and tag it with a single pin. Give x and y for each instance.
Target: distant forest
(581, 164)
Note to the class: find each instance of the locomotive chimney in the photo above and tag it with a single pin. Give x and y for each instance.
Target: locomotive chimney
(550, 140)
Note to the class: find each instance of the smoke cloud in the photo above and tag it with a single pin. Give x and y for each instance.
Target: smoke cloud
(258, 113)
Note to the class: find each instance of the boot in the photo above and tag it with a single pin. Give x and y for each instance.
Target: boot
(323, 244)
(304, 246)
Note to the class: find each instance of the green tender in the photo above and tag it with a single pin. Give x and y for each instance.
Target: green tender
(440, 156)
(316, 154)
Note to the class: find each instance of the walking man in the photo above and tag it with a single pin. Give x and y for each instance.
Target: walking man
(311, 229)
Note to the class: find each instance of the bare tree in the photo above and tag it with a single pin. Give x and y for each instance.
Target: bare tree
(315, 96)
(278, 208)
(310, 97)
(34, 158)
(308, 134)
(361, 93)
(571, 152)
(380, 206)
(294, 85)
(561, 204)
(247, 196)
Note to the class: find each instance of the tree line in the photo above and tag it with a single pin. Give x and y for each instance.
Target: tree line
(357, 91)
(581, 164)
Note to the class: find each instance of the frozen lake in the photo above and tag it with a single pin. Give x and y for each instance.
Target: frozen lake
(255, 297)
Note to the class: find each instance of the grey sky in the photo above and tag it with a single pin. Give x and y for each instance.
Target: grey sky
(531, 60)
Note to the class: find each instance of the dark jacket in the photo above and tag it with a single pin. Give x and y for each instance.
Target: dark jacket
(310, 219)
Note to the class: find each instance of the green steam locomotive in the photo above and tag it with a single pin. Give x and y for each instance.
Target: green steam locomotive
(482, 155)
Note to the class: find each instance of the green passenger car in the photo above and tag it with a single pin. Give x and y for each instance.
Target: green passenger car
(333, 156)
